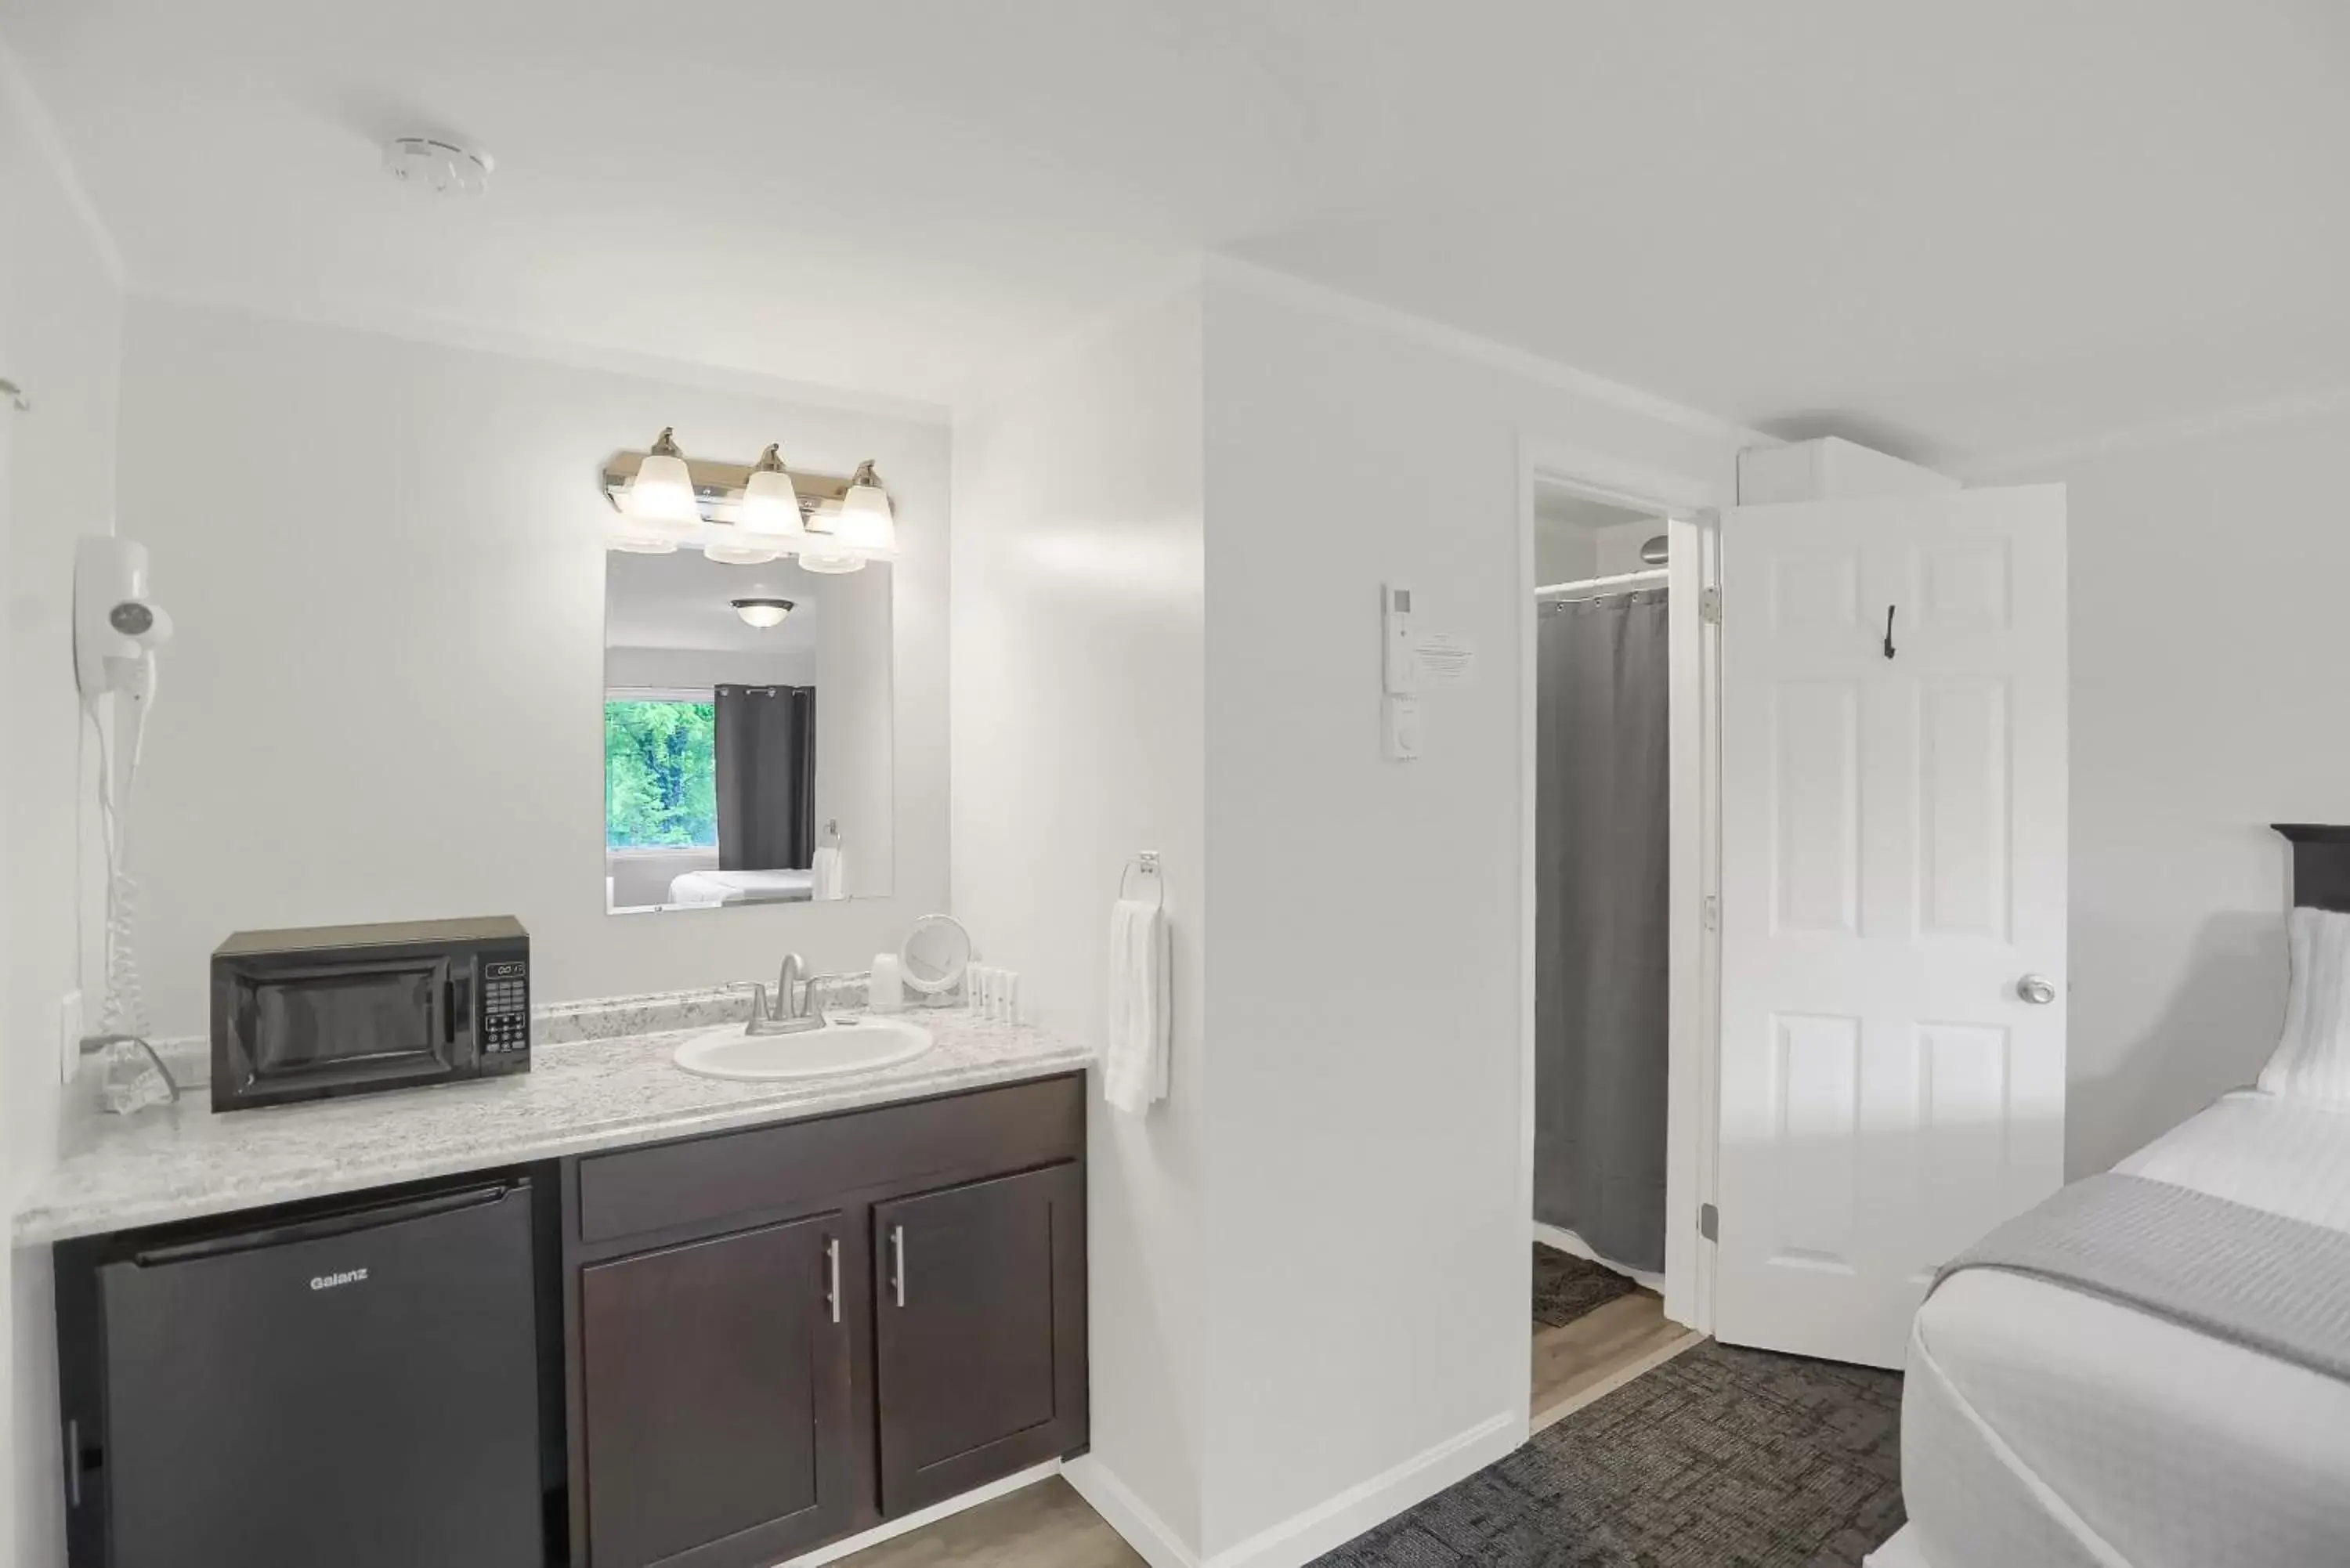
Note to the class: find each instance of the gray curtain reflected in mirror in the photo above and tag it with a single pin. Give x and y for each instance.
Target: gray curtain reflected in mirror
(1600, 930)
(766, 756)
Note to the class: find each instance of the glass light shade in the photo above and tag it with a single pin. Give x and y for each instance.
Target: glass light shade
(830, 561)
(865, 522)
(641, 543)
(663, 494)
(770, 505)
(730, 546)
(763, 612)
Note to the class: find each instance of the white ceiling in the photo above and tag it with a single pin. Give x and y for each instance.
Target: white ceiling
(1950, 229)
(683, 600)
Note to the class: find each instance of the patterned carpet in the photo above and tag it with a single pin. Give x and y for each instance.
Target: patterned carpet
(1719, 1458)
(1566, 1287)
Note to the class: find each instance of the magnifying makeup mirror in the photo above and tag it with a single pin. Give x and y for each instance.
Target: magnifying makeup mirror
(936, 954)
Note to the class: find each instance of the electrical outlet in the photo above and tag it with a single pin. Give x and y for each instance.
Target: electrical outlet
(69, 1033)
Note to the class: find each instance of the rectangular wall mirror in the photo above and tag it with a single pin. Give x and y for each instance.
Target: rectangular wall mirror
(746, 733)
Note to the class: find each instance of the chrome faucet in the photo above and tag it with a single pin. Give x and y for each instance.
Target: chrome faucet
(794, 1010)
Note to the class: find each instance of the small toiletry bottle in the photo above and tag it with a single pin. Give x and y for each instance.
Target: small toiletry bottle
(885, 988)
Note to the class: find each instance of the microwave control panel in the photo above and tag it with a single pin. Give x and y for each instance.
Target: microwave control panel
(505, 1007)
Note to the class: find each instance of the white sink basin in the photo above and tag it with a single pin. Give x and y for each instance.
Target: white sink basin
(837, 1048)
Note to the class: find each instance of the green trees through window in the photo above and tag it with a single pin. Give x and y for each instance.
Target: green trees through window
(661, 775)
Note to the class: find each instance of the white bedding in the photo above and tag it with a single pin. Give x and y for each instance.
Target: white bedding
(742, 887)
(2043, 1425)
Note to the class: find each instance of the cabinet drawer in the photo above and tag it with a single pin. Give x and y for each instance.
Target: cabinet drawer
(633, 1191)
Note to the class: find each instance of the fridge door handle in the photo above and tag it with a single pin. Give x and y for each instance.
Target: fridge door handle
(832, 1276)
(73, 1462)
(347, 1224)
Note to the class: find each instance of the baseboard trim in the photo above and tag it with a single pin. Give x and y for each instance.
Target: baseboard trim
(1568, 1242)
(1128, 1514)
(931, 1515)
(1306, 1536)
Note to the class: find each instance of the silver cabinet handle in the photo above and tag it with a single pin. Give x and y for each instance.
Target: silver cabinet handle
(832, 1275)
(897, 1261)
(2035, 989)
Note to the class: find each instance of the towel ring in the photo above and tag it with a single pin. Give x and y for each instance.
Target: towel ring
(1146, 863)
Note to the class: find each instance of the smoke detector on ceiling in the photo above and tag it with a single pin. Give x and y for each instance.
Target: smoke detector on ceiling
(441, 167)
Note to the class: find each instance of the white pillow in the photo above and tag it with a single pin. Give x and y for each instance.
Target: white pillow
(2312, 1060)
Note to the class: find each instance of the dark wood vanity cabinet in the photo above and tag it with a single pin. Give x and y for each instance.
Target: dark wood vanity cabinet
(717, 1416)
(787, 1335)
(981, 1293)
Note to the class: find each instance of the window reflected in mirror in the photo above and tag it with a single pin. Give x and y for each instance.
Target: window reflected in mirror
(746, 733)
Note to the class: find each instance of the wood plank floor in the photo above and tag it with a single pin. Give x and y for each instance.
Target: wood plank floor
(1601, 1351)
(1048, 1525)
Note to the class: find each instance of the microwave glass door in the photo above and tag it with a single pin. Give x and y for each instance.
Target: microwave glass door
(353, 1022)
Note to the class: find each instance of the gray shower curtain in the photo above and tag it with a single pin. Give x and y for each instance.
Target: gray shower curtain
(1600, 988)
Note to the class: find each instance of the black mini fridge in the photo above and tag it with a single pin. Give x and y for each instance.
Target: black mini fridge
(355, 1387)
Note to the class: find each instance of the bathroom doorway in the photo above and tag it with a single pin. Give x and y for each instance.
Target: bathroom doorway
(1617, 1078)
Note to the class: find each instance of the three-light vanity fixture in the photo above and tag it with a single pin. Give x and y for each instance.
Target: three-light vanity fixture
(748, 516)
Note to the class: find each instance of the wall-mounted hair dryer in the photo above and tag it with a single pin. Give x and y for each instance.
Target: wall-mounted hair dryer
(117, 626)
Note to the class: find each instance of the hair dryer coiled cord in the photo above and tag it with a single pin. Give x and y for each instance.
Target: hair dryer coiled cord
(125, 1010)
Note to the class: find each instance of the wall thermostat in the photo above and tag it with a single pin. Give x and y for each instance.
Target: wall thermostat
(1398, 657)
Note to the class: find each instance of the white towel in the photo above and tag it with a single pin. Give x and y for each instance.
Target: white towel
(1134, 1060)
(828, 875)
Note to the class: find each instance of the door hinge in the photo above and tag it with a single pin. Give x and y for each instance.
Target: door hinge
(1713, 911)
(1708, 1222)
(1709, 606)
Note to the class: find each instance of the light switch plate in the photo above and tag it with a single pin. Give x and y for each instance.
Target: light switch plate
(69, 1033)
(1402, 723)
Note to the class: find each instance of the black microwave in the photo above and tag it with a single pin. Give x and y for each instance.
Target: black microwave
(350, 1010)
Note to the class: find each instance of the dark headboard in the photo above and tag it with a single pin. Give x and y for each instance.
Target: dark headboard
(2320, 865)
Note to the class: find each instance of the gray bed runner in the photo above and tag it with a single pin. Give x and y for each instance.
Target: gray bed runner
(2270, 1283)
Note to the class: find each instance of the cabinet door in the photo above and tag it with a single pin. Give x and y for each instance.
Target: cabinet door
(979, 1332)
(714, 1381)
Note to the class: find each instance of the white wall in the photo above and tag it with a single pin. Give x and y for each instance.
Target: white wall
(1366, 1237)
(1078, 740)
(854, 764)
(699, 669)
(641, 878)
(60, 338)
(2207, 579)
(385, 696)
(1565, 553)
(1618, 546)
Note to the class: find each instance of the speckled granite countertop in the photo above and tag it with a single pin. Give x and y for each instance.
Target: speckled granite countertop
(581, 1094)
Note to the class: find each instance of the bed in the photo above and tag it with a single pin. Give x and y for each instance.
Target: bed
(2044, 1426)
(742, 887)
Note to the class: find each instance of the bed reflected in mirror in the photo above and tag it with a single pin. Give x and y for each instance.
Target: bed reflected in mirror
(746, 733)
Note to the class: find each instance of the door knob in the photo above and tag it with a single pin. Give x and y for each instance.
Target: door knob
(2035, 989)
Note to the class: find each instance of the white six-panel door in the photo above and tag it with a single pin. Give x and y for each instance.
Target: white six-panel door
(1893, 884)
